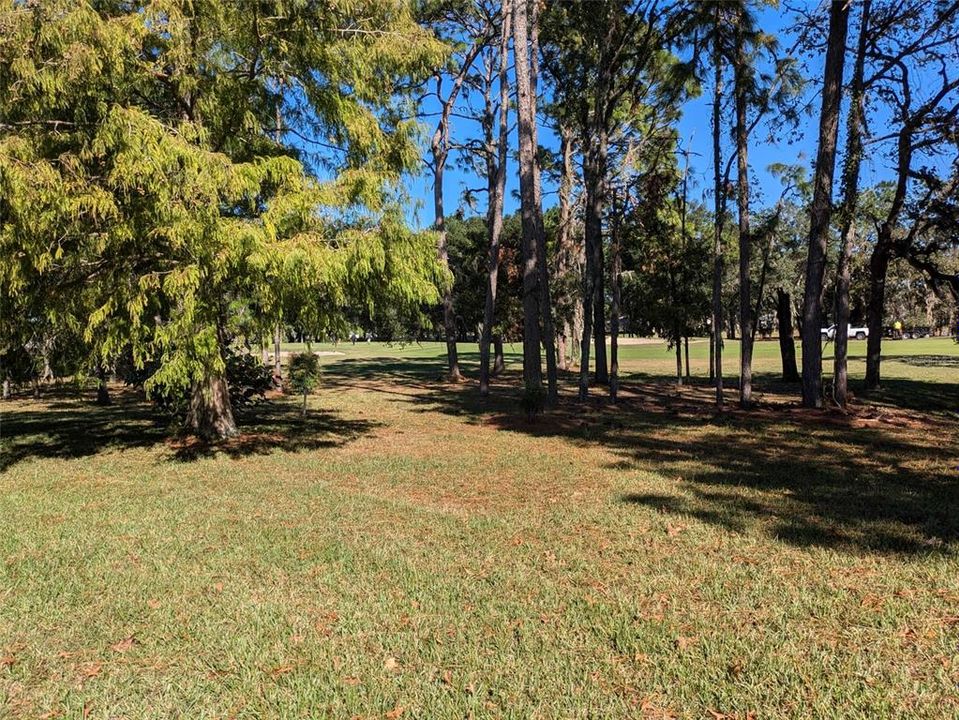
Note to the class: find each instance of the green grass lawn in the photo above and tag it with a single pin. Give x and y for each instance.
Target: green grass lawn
(412, 550)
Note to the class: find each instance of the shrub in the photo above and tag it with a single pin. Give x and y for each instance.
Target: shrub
(532, 401)
(304, 374)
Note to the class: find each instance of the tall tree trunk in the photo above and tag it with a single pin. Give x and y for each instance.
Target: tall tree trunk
(745, 239)
(716, 366)
(567, 253)
(277, 361)
(686, 349)
(787, 345)
(594, 178)
(449, 315)
(854, 128)
(822, 203)
(545, 298)
(6, 388)
(526, 113)
(496, 179)
(878, 268)
(616, 270)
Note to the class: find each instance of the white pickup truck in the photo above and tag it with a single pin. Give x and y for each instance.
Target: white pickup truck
(857, 333)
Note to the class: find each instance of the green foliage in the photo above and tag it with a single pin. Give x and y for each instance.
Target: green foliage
(146, 188)
(247, 379)
(304, 372)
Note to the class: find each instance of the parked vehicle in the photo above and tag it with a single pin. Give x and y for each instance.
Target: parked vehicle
(854, 333)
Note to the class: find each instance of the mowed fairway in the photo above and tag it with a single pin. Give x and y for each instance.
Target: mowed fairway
(410, 550)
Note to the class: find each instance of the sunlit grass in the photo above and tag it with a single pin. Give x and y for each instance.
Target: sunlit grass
(411, 550)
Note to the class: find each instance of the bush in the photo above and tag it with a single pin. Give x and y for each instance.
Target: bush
(304, 374)
(247, 378)
(533, 400)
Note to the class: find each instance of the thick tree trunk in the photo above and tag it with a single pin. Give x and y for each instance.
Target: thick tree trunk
(211, 415)
(854, 128)
(526, 112)
(716, 355)
(822, 203)
(745, 240)
(787, 345)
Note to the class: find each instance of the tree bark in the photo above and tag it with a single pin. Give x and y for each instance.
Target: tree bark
(614, 310)
(499, 361)
(277, 361)
(787, 345)
(525, 108)
(822, 203)
(496, 183)
(567, 253)
(545, 298)
(6, 388)
(716, 366)
(686, 350)
(210, 414)
(103, 392)
(878, 268)
(594, 178)
(745, 239)
(854, 128)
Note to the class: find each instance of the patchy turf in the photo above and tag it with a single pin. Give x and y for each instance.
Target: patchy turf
(412, 550)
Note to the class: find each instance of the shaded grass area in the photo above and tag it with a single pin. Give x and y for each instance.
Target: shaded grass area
(413, 550)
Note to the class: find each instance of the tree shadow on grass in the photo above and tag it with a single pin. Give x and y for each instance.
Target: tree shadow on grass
(881, 479)
(66, 426)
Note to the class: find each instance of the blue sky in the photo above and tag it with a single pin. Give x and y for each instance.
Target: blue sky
(772, 142)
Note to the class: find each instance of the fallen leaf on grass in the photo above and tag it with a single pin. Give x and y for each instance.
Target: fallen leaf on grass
(447, 677)
(281, 670)
(674, 530)
(87, 709)
(395, 713)
(392, 664)
(351, 680)
(684, 641)
(6, 662)
(90, 670)
(153, 604)
(124, 645)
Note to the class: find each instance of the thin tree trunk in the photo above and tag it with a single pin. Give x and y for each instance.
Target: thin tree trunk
(678, 343)
(496, 175)
(277, 361)
(566, 252)
(686, 348)
(594, 177)
(854, 128)
(716, 366)
(6, 388)
(878, 268)
(745, 239)
(614, 310)
(499, 361)
(545, 298)
(525, 107)
(103, 392)
(787, 345)
(822, 203)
